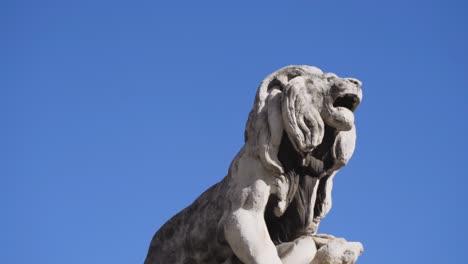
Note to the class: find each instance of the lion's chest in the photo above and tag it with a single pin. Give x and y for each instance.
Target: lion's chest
(296, 219)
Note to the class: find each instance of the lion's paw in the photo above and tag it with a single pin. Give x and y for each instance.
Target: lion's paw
(339, 251)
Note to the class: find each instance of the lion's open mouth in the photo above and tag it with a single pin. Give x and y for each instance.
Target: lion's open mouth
(348, 101)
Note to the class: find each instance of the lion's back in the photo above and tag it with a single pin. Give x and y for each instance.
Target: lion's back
(193, 235)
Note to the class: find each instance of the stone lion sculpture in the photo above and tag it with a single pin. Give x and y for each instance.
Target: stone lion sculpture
(267, 209)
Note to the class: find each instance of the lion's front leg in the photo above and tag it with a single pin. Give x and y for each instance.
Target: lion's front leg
(245, 229)
(300, 251)
(319, 249)
(246, 233)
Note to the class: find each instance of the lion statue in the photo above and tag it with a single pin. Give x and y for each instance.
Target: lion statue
(267, 209)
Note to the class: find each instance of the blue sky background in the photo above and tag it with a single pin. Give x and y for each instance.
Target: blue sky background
(116, 115)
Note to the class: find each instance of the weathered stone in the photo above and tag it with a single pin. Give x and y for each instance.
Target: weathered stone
(300, 132)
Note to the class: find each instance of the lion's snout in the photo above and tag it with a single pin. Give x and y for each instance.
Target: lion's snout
(355, 82)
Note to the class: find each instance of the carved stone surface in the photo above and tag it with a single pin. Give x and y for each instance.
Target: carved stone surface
(267, 209)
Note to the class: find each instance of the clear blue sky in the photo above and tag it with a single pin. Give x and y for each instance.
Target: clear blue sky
(116, 115)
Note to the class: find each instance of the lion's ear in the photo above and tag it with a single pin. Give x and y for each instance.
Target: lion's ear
(302, 121)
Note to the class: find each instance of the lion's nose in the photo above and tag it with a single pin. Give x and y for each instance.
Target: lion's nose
(355, 82)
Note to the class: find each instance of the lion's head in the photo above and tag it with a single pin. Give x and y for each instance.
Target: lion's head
(311, 108)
